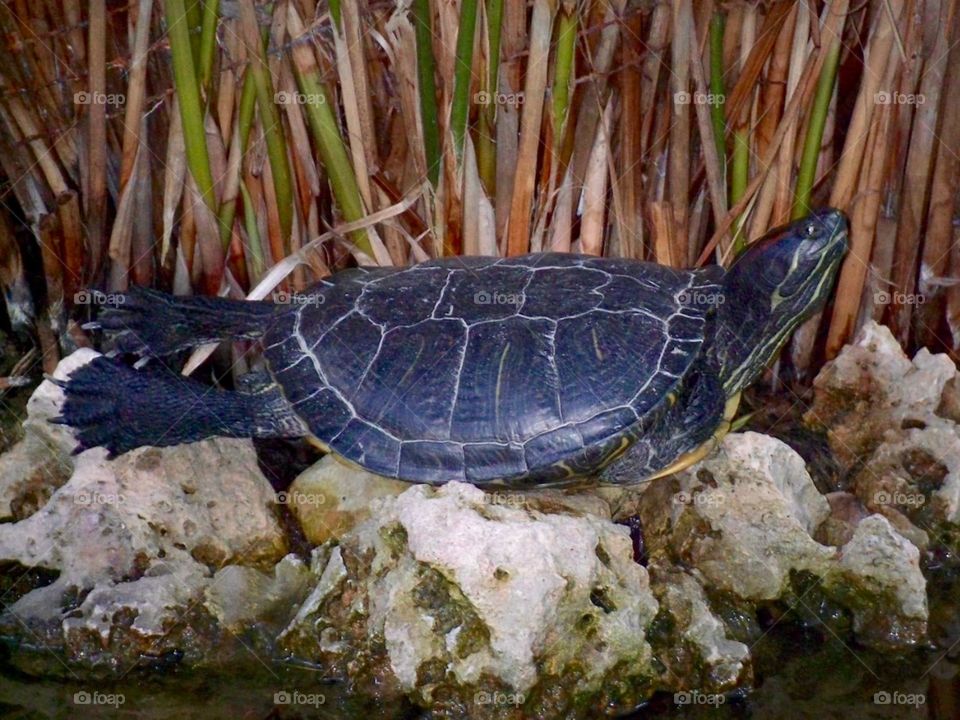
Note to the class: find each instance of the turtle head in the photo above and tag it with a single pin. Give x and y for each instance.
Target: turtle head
(780, 281)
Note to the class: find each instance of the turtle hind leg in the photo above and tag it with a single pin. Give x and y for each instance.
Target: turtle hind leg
(149, 322)
(110, 404)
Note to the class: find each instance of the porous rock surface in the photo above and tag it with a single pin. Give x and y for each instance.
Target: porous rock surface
(893, 421)
(464, 593)
(126, 548)
(478, 604)
(745, 519)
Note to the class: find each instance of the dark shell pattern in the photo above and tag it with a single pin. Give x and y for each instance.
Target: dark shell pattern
(488, 369)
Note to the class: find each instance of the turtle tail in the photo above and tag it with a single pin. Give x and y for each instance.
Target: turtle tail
(153, 323)
(110, 404)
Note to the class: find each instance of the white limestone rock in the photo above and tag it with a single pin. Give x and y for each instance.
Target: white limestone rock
(137, 538)
(500, 596)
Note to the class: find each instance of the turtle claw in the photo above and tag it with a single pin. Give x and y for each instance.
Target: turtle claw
(62, 384)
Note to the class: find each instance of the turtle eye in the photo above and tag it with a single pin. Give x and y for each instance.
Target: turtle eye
(812, 230)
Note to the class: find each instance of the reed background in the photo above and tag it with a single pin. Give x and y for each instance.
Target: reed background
(246, 148)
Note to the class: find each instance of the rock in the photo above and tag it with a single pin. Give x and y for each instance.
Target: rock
(846, 512)
(879, 571)
(893, 421)
(331, 497)
(743, 517)
(445, 595)
(41, 462)
(744, 520)
(871, 388)
(240, 596)
(718, 663)
(501, 604)
(133, 543)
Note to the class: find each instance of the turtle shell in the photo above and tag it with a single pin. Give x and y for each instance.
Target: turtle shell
(488, 369)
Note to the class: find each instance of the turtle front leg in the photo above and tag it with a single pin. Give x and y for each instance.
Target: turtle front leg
(154, 323)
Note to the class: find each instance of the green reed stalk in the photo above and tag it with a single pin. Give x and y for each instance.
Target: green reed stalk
(191, 107)
(463, 75)
(426, 77)
(333, 152)
(208, 41)
(487, 127)
(806, 175)
(563, 70)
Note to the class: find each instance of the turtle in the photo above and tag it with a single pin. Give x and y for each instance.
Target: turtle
(520, 371)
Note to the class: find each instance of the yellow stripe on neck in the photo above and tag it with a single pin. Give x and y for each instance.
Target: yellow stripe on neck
(697, 454)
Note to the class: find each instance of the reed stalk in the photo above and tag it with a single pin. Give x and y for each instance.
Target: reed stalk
(427, 86)
(463, 74)
(190, 105)
(326, 133)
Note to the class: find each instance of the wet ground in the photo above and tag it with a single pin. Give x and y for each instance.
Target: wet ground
(806, 673)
